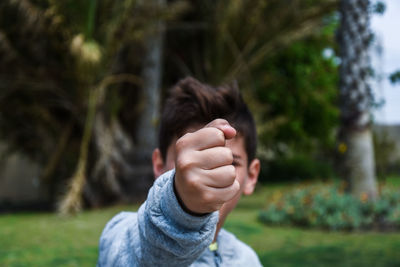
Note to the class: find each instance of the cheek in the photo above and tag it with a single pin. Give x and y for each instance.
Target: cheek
(241, 176)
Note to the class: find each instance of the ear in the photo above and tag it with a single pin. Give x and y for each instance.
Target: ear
(158, 163)
(252, 177)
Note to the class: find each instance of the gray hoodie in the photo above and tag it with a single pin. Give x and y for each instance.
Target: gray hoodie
(162, 234)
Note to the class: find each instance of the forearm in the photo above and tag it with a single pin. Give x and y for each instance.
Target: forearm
(163, 232)
(169, 234)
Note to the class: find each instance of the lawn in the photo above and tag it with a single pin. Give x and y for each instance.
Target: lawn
(48, 240)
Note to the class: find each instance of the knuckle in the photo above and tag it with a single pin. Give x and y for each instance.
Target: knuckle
(228, 154)
(215, 134)
(192, 184)
(207, 197)
(231, 171)
(183, 162)
(219, 136)
(233, 190)
(220, 121)
(236, 186)
(181, 143)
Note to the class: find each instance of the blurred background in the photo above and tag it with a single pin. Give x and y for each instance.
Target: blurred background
(82, 84)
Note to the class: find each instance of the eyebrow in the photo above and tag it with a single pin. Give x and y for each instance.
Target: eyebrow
(236, 156)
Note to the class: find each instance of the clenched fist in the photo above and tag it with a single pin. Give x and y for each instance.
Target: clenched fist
(205, 178)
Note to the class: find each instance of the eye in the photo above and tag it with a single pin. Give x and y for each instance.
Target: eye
(236, 163)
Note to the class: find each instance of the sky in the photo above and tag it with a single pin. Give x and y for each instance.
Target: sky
(387, 31)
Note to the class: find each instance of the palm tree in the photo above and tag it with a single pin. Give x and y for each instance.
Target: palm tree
(72, 82)
(356, 98)
(58, 65)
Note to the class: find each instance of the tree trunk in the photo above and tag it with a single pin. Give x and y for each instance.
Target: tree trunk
(72, 201)
(123, 169)
(110, 159)
(151, 77)
(355, 135)
(111, 176)
(146, 136)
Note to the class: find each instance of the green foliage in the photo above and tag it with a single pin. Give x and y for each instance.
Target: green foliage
(299, 87)
(288, 81)
(328, 207)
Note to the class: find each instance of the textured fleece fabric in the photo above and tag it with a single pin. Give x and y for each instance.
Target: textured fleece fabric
(161, 233)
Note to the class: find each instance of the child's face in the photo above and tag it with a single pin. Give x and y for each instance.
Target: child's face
(246, 174)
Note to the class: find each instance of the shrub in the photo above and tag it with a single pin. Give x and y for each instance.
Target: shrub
(328, 207)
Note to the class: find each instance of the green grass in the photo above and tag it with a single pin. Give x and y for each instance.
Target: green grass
(284, 246)
(288, 246)
(393, 180)
(48, 240)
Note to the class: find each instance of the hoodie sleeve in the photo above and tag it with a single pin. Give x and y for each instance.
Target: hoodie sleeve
(160, 233)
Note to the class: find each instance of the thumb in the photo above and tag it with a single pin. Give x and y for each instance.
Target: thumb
(224, 126)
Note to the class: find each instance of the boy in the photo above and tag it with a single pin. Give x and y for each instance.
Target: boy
(203, 165)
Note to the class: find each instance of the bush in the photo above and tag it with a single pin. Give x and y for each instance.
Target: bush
(328, 207)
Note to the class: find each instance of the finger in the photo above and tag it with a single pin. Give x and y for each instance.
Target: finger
(225, 194)
(214, 157)
(220, 177)
(202, 139)
(224, 126)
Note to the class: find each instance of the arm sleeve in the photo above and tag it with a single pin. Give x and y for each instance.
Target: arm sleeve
(160, 233)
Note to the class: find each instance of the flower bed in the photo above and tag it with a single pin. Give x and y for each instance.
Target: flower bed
(328, 207)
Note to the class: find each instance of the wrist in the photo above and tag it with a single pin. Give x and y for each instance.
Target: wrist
(182, 204)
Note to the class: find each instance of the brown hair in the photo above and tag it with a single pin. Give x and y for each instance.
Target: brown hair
(192, 103)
